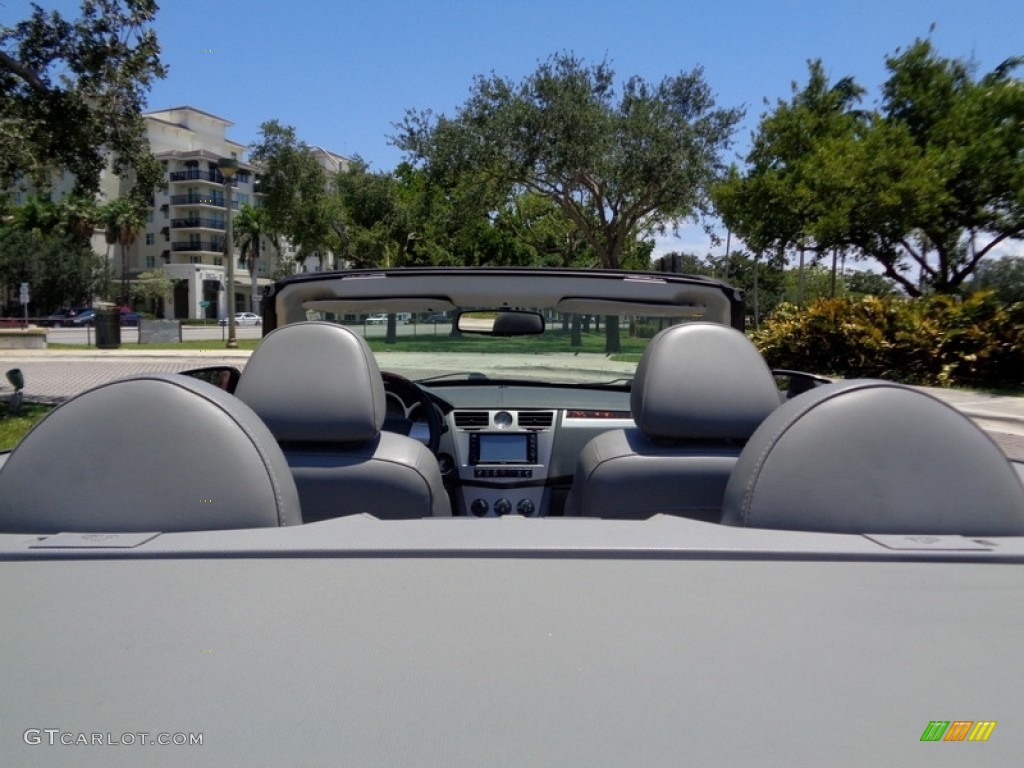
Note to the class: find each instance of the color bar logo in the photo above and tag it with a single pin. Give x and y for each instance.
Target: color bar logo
(958, 730)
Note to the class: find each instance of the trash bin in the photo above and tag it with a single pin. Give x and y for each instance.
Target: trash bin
(108, 328)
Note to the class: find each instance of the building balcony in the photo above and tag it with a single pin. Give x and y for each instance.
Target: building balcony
(214, 201)
(197, 223)
(196, 246)
(194, 174)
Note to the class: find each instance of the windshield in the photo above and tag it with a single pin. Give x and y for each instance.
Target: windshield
(571, 349)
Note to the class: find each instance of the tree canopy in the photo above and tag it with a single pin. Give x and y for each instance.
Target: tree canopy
(71, 90)
(44, 244)
(618, 166)
(926, 185)
(295, 191)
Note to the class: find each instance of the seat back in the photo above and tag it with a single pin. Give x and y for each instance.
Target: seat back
(317, 387)
(149, 453)
(700, 390)
(874, 457)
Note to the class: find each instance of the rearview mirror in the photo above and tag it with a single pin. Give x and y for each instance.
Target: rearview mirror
(501, 323)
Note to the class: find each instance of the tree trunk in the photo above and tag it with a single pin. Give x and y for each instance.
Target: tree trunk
(612, 342)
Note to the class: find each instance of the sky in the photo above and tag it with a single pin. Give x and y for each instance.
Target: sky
(343, 73)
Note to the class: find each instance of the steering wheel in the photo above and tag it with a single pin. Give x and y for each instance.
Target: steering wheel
(413, 399)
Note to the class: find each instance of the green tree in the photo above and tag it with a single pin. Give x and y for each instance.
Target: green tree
(295, 191)
(619, 167)
(61, 270)
(864, 283)
(123, 219)
(248, 228)
(781, 201)
(153, 287)
(926, 186)
(379, 227)
(1004, 276)
(541, 235)
(72, 90)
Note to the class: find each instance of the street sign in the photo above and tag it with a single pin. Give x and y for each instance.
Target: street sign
(23, 294)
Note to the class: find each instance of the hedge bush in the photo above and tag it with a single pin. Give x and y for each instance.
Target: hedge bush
(938, 340)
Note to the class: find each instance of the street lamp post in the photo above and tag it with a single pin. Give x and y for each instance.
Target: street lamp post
(228, 169)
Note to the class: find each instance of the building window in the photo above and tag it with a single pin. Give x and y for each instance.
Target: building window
(150, 238)
(196, 259)
(218, 261)
(151, 262)
(243, 199)
(167, 213)
(149, 216)
(261, 266)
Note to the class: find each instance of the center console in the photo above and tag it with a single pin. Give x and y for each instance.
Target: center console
(502, 460)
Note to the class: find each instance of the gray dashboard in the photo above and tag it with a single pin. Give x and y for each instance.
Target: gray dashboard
(512, 449)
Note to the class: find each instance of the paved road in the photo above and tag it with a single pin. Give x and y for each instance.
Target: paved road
(54, 376)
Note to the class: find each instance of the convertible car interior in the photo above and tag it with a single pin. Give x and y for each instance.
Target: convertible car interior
(528, 502)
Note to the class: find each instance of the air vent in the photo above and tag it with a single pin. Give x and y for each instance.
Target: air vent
(472, 419)
(536, 419)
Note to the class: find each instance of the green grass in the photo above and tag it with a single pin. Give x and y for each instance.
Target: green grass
(13, 428)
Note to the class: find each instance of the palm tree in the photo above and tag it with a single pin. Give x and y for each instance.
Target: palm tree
(123, 220)
(79, 216)
(248, 227)
(38, 215)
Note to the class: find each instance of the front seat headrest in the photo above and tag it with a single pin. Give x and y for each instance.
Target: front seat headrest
(157, 452)
(702, 381)
(873, 457)
(315, 382)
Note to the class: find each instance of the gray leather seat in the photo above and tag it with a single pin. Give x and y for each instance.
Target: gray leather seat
(874, 457)
(317, 387)
(150, 453)
(700, 390)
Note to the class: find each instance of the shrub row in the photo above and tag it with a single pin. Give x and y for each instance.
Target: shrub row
(938, 340)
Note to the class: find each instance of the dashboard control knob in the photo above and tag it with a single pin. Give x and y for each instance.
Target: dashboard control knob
(502, 507)
(479, 507)
(525, 507)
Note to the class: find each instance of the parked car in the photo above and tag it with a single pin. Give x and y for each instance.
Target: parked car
(130, 318)
(243, 318)
(63, 317)
(592, 531)
(84, 318)
(87, 317)
(377, 320)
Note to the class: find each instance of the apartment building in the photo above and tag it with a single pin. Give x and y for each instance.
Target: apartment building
(186, 226)
(185, 233)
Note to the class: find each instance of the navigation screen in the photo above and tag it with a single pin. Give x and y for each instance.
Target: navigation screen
(503, 449)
